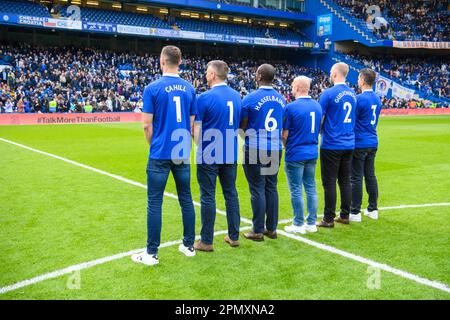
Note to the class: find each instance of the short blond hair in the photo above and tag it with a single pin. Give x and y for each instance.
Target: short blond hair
(342, 68)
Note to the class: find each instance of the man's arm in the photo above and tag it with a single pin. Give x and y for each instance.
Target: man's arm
(321, 124)
(147, 123)
(192, 118)
(284, 137)
(243, 126)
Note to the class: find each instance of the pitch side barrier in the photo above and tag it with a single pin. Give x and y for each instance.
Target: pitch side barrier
(119, 117)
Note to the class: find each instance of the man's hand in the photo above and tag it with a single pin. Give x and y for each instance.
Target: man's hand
(284, 137)
(147, 123)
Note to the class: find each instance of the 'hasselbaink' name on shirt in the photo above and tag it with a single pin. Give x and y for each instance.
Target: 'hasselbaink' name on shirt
(269, 99)
(175, 87)
(344, 93)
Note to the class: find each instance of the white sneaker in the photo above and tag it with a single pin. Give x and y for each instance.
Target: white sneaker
(145, 258)
(355, 217)
(188, 251)
(310, 228)
(371, 214)
(295, 229)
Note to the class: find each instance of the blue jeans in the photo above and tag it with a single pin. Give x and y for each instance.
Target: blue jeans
(207, 176)
(157, 175)
(302, 173)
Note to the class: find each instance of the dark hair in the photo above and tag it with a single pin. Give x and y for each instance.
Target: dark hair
(220, 68)
(368, 75)
(172, 54)
(267, 73)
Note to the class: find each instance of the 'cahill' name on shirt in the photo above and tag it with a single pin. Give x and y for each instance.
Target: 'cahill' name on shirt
(344, 93)
(268, 99)
(176, 87)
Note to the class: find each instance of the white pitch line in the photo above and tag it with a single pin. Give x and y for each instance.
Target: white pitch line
(111, 175)
(89, 264)
(381, 266)
(403, 206)
(404, 274)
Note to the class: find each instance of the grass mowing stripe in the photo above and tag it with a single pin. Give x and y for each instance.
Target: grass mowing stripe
(89, 264)
(114, 176)
(381, 266)
(402, 206)
(430, 283)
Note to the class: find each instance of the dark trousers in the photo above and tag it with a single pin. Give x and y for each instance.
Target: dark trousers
(336, 165)
(363, 165)
(157, 175)
(262, 177)
(207, 176)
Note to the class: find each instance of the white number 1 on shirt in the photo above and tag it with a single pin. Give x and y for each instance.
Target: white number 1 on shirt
(230, 105)
(177, 101)
(313, 121)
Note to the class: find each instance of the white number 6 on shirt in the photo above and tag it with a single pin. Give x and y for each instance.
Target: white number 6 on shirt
(271, 123)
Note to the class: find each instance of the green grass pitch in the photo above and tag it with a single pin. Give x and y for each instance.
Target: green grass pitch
(54, 215)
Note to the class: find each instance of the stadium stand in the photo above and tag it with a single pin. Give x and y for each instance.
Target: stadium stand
(428, 75)
(408, 20)
(24, 7)
(112, 81)
(148, 20)
(125, 18)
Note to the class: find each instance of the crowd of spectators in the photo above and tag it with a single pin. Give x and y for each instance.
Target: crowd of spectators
(84, 80)
(40, 79)
(428, 74)
(418, 20)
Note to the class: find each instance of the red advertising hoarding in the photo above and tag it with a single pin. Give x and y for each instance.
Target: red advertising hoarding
(82, 118)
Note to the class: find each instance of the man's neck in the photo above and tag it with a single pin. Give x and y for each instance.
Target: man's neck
(171, 71)
(339, 81)
(214, 83)
(302, 95)
(261, 84)
(366, 88)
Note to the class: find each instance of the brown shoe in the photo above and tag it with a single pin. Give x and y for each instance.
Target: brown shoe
(232, 243)
(270, 234)
(200, 246)
(254, 236)
(325, 224)
(342, 220)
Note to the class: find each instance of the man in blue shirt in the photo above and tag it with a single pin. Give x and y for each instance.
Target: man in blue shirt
(338, 141)
(368, 109)
(262, 121)
(215, 132)
(168, 115)
(300, 138)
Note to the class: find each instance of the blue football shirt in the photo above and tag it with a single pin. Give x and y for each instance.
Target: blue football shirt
(172, 101)
(368, 110)
(338, 106)
(302, 119)
(264, 109)
(219, 111)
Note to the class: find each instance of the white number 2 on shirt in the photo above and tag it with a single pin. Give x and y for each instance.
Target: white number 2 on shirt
(230, 105)
(177, 101)
(374, 109)
(348, 107)
(313, 121)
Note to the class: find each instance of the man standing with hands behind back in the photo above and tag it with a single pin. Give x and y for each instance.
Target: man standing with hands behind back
(215, 130)
(301, 138)
(366, 144)
(168, 116)
(338, 141)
